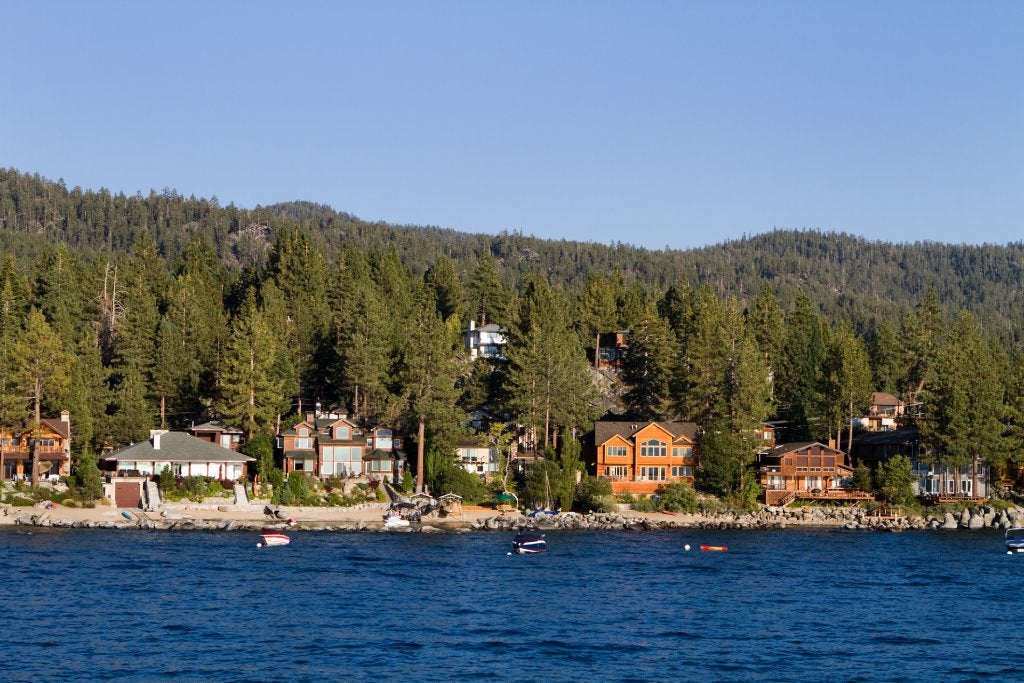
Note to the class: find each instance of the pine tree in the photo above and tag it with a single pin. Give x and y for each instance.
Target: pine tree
(446, 287)
(701, 368)
(647, 369)
(250, 394)
(922, 333)
(427, 376)
(40, 370)
(596, 311)
(484, 291)
(884, 356)
(847, 385)
(965, 401)
(767, 322)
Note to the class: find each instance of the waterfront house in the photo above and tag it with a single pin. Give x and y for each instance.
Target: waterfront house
(384, 459)
(338, 446)
(217, 432)
(931, 479)
(806, 470)
(486, 341)
(639, 457)
(130, 468)
(51, 440)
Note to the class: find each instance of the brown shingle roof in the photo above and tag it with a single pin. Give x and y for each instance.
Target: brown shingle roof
(606, 429)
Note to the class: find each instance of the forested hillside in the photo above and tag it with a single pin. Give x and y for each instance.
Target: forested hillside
(846, 277)
(142, 311)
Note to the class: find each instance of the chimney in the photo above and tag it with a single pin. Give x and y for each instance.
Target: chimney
(472, 325)
(154, 436)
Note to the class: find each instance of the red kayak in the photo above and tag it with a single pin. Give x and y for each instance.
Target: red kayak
(721, 548)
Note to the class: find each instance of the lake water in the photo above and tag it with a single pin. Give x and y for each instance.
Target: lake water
(788, 605)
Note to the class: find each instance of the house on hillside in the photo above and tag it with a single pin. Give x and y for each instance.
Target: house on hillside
(884, 415)
(52, 442)
(477, 456)
(806, 470)
(639, 457)
(611, 349)
(486, 341)
(217, 432)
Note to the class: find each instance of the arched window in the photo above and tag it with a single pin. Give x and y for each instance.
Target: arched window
(653, 447)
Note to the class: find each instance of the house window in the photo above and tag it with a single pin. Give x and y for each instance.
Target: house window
(304, 444)
(686, 471)
(341, 433)
(682, 451)
(652, 474)
(303, 431)
(653, 447)
(616, 471)
(615, 451)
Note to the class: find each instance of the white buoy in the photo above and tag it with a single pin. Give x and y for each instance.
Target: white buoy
(686, 547)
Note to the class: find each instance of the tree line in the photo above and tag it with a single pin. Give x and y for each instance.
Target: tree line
(142, 312)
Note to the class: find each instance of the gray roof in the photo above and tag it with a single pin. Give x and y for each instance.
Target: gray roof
(215, 426)
(606, 429)
(178, 447)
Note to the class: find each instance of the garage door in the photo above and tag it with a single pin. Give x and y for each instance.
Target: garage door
(127, 494)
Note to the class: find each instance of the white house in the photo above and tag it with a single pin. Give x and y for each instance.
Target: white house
(183, 454)
(486, 341)
(478, 457)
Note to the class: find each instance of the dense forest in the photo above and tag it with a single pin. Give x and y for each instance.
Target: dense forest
(135, 312)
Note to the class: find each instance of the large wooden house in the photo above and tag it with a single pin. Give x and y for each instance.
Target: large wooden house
(51, 440)
(341, 447)
(639, 457)
(806, 470)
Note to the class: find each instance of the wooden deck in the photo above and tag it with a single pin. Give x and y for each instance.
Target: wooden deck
(782, 498)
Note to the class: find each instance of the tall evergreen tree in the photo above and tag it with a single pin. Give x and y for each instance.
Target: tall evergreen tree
(647, 369)
(847, 385)
(427, 375)
(445, 285)
(40, 370)
(596, 311)
(251, 394)
(485, 293)
(965, 401)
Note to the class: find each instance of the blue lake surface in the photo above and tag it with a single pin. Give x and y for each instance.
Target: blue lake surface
(793, 605)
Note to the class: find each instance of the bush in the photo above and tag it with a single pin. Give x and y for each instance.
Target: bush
(678, 496)
(594, 494)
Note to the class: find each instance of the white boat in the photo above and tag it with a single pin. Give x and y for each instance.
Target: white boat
(273, 538)
(1014, 541)
(395, 521)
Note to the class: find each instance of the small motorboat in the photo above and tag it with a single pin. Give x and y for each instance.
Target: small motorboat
(716, 548)
(528, 543)
(273, 538)
(395, 521)
(1014, 541)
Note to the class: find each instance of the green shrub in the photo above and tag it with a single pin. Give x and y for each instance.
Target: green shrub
(594, 494)
(678, 496)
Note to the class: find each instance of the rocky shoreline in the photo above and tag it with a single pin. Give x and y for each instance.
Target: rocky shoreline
(366, 519)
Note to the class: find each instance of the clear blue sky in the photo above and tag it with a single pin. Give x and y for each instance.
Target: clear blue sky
(654, 123)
